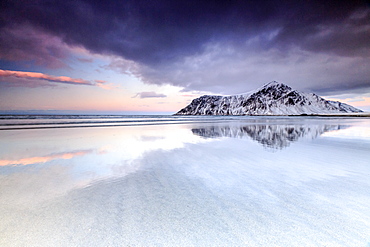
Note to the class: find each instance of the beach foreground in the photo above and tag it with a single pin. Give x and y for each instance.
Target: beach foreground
(248, 181)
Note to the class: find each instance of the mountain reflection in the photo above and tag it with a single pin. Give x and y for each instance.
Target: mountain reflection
(270, 136)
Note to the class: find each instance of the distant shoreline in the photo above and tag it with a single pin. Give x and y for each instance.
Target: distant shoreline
(23, 122)
(353, 114)
(358, 114)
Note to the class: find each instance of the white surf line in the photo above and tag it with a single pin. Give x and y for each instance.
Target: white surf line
(117, 125)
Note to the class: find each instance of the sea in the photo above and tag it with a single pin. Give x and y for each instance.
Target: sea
(163, 180)
(8, 122)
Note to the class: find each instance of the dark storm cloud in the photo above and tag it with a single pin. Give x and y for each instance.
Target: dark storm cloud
(348, 36)
(217, 46)
(151, 32)
(24, 43)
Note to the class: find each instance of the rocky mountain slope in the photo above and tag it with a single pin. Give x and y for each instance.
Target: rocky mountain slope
(273, 98)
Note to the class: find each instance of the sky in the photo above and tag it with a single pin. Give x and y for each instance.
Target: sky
(155, 56)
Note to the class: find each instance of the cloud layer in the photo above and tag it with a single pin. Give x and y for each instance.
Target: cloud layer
(218, 46)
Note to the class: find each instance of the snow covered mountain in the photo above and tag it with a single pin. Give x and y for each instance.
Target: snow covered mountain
(274, 98)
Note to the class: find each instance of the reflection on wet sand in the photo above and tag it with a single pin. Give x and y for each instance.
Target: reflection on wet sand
(172, 185)
(270, 136)
(44, 159)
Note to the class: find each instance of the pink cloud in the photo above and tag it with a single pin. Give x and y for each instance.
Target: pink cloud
(100, 81)
(20, 78)
(25, 82)
(36, 75)
(105, 85)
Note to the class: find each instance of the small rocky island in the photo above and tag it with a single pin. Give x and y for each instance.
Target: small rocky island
(274, 98)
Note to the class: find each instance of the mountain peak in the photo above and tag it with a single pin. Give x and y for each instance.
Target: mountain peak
(275, 84)
(274, 98)
(271, 83)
